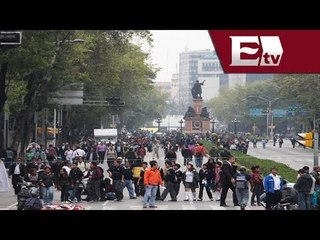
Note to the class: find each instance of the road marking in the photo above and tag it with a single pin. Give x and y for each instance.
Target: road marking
(188, 207)
(4, 208)
(109, 208)
(105, 203)
(217, 207)
(87, 208)
(135, 207)
(12, 205)
(162, 207)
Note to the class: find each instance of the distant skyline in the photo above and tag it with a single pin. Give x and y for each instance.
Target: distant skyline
(168, 44)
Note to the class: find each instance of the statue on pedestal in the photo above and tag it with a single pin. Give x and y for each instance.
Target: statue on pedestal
(196, 90)
(190, 113)
(204, 112)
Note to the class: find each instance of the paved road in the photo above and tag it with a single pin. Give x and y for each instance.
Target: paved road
(8, 200)
(295, 158)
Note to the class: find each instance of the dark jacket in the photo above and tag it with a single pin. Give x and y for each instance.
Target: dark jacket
(47, 180)
(128, 175)
(117, 172)
(23, 169)
(186, 153)
(170, 176)
(227, 172)
(206, 174)
(304, 183)
(178, 178)
(225, 155)
(64, 181)
(95, 156)
(76, 175)
(95, 174)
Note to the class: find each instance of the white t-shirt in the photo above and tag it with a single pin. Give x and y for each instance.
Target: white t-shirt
(277, 182)
(78, 153)
(69, 155)
(189, 177)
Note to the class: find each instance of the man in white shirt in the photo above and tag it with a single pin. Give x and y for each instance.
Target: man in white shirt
(78, 153)
(273, 185)
(17, 171)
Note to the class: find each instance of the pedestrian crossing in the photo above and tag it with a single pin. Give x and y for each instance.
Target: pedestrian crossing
(109, 205)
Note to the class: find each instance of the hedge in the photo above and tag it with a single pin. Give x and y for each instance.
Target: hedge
(265, 165)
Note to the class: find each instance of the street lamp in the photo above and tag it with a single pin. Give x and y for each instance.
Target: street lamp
(181, 121)
(58, 46)
(213, 122)
(159, 121)
(235, 122)
(269, 101)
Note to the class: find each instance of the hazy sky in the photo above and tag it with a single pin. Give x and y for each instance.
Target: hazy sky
(169, 43)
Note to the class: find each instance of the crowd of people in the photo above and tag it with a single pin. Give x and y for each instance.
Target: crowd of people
(75, 170)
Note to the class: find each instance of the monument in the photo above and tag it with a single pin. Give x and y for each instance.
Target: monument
(197, 118)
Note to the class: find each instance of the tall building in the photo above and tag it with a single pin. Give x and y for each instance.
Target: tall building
(198, 65)
(175, 87)
(231, 80)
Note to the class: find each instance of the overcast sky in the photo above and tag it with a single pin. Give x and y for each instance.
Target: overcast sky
(169, 43)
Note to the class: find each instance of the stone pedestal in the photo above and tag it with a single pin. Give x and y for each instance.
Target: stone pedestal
(197, 118)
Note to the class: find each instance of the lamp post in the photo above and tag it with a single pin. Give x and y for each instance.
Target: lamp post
(213, 122)
(181, 121)
(159, 121)
(235, 122)
(58, 46)
(270, 102)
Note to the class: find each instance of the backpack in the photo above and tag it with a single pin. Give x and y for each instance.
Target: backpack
(241, 181)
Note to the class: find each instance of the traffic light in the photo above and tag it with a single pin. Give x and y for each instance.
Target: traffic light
(305, 139)
(10, 39)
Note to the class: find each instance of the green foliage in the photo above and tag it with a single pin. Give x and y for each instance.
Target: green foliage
(107, 63)
(301, 89)
(265, 165)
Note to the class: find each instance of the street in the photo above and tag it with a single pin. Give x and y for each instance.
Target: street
(8, 199)
(295, 158)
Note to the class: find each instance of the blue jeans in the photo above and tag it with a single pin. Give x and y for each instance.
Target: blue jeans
(47, 195)
(75, 192)
(304, 201)
(150, 195)
(128, 185)
(243, 196)
(198, 161)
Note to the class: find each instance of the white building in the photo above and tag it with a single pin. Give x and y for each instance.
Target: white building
(175, 87)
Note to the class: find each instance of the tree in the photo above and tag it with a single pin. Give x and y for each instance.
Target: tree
(105, 62)
(303, 90)
(234, 103)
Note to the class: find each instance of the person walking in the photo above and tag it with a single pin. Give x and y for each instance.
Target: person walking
(227, 172)
(17, 171)
(241, 181)
(169, 180)
(206, 176)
